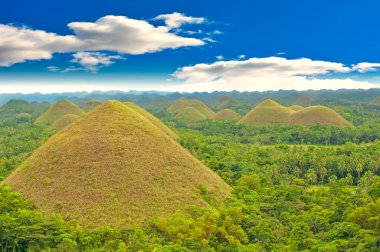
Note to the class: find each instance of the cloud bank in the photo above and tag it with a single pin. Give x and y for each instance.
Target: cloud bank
(271, 73)
(110, 33)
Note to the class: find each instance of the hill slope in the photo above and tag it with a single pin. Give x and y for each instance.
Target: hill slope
(154, 120)
(226, 115)
(317, 115)
(226, 102)
(88, 105)
(190, 115)
(181, 104)
(64, 121)
(267, 112)
(296, 107)
(375, 102)
(113, 167)
(57, 110)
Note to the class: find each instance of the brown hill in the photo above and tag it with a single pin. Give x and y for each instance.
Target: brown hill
(57, 110)
(181, 104)
(317, 115)
(154, 120)
(190, 115)
(113, 167)
(88, 105)
(64, 121)
(267, 112)
(226, 115)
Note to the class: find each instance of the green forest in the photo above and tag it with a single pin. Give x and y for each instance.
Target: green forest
(294, 188)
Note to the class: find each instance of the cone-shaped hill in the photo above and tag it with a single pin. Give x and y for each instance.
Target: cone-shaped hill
(318, 115)
(62, 122)
(190, 115)
(154, 120)
(57, 110)
(226, 102)
(181, 104)
(226, 115)
(113, 167)
(267, 112)
(270, 112)
(375, 102)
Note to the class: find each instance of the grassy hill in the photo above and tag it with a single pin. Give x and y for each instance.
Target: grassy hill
(226, 115)
(181, 104)
(154, 120)
(375, 102)
(64, 121)
(226, 102)
(57, 110)
(296, 107)
(317, 115)
(114, 168)
(270, 112)
(190, 115)
(267, 112)
(88, 105)
(159, 104)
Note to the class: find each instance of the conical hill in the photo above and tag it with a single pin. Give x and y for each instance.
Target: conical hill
(190, 115)
(267, 112)
(113, 167)
(57, 110)
(181, 104)
(226, 115)
(318, 115)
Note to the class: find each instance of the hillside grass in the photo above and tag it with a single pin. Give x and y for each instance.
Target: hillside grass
(226, 115)
(114, 168)
(180, 104)
(57, 110)
(64, 121)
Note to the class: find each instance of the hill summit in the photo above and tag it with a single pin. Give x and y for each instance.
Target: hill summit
(114, 167)
(270, 112)
(57, 110)
(226, 115)
(190, 110)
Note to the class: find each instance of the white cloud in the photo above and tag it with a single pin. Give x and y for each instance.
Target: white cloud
(219, 57)
(366, 67)
(53, 69)
(73, 69)
(176, 19)
(272, 73)
(242, 56)
(93, 61)
(110, 33)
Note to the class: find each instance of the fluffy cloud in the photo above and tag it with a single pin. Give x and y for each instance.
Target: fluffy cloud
(110, 33)
(272, 73)
(93, 61)
(366, 67)
(176, 19)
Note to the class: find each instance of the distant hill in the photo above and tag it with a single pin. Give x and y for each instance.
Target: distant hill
(57, 110)
(267, 112)
(65, 120)
(114, 168)
(154, 120)
(226, 115)
(190, 115)
(17, 106)
(190, 110)
(270, 112)
(226, 102)
(158, 104)
(317, 115)
(180, 104)
(375, 102)
(88, 105)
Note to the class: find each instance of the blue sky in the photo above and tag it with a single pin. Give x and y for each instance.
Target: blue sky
(188, 45)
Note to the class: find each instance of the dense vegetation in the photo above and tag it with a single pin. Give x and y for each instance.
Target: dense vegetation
(295, 188)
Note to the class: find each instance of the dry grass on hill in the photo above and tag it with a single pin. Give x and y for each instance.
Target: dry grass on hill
(226, 115)
(190, 115)
(318, 115)
(57, 110)
(181, 104)
(114, 168)
(64, 121)
(296, 107)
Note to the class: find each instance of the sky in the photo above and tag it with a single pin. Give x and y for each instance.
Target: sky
(188, 45)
